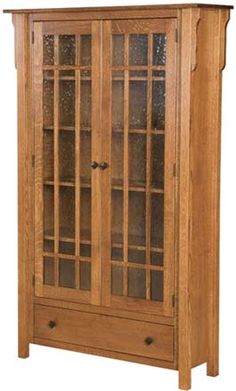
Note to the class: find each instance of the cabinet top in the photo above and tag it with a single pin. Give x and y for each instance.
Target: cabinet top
(119, 8)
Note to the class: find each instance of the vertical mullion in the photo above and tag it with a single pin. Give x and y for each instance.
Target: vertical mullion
(56, 159)
(148, 163)
(126, 163)
(77, 165)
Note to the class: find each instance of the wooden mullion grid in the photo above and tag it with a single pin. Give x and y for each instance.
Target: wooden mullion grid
(77, 166)
(126, 165)
(56, 160)
(148, 166)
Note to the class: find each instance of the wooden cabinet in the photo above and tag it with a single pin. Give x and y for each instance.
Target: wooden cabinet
(119, 151)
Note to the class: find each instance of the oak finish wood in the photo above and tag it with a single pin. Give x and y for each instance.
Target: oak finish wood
(105, 332)
(25, 216)
(195, 60)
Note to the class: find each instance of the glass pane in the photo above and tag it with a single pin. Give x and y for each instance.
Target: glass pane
(157, 285)
(158, 104)
(117, 280)
(137, 218)
(136, 256)
(48, 74)
(117, 104)
(67, 156)
(118, 74)
(67, 73)
(138, 49)
(117, 155)
(137, 283)
(48, 246)
(157, 259)
(159, 73)
(67, 49)
(159, 49)
(157, 220)
(67, 212)
(85, 50)
(48, 207)
(85, 104)
(157, 161)
(138, 104)
(67, 273)
(138, 73)
(117, 254)
(48, 49)
(67, 248)
(85, 157)
(48, 271)
(118, 49)
(85, 214)
(48, 155)
(85, 275)
(48, 111)
(85, 250)
(117, 217)
(67, 103)
(137, 159)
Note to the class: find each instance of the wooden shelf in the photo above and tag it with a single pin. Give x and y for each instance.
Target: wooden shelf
(139, 131)
(116, 185)
(66, 235)
(68, 128)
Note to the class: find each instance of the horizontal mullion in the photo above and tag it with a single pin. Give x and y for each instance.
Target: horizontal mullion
(138, 67)
(134, 265)
(67, 256)
(66, 67)
(67, 78)
(136, 78)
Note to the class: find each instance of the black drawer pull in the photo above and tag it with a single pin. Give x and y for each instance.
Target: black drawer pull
(51, 324)
(103, 165)
(94, 164)
(148, 340)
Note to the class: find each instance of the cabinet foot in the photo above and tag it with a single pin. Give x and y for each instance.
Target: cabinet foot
(23, 350)
(213, 368)
(185, 380)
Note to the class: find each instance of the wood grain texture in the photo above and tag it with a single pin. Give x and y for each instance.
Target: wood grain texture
(188, 24)
(25, 175)
(104, 353)
(118, 8)
(121, 313)
(105, 332)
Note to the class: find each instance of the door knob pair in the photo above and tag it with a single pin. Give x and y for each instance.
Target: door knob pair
(102, 165)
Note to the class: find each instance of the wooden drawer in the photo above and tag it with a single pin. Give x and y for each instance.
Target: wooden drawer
(105, 332)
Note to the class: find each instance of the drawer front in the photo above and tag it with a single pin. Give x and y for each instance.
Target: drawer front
(105, 332)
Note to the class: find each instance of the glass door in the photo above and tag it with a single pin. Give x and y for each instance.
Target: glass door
(139, 86)
(65, 73)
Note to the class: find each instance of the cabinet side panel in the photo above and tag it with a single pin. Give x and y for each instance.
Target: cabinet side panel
(205, 176)
(21, 24)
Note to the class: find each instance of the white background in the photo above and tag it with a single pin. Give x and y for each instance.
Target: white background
(55, 369)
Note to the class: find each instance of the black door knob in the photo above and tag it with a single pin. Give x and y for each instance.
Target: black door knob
(148, 340)
(103, 165)
(94, 164)
(51, 324)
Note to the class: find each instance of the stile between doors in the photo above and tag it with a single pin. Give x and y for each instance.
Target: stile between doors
(105, 93)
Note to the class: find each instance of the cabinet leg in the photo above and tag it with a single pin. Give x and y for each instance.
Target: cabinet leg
(23, 348)
(185, 379)
(213, 365)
